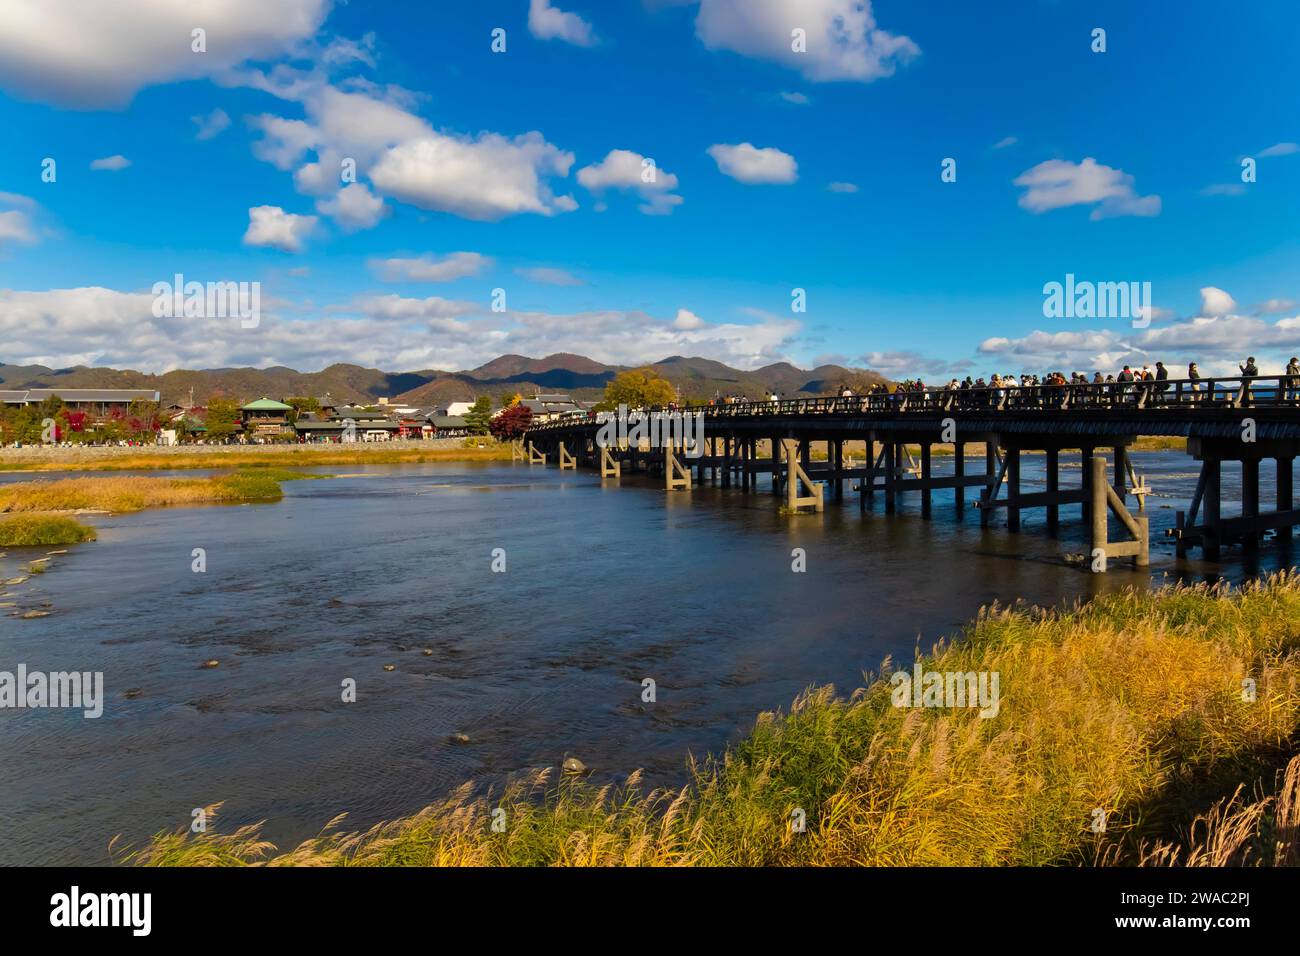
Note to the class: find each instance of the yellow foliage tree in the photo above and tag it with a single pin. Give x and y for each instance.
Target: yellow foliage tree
(637, 388)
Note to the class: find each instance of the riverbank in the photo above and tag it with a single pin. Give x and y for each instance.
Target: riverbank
(189, 457)
(1110, 729)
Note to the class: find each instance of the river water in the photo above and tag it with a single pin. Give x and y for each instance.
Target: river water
(604, 585)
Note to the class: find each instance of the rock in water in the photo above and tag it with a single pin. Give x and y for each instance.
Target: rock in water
(28, 615)
(212, 663)
(459, 738)
(390, 667)
(574, 765)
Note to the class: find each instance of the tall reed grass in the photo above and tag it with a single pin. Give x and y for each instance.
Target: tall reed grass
(134, 493)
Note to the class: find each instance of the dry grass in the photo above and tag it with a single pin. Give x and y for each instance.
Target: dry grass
(1235, 832)
(291, 456)
(1132, 705)
(135, 493)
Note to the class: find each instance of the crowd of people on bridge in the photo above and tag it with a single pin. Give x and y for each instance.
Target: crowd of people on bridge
(1130, 385)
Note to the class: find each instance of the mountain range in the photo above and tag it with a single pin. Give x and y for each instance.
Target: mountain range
(577, 375)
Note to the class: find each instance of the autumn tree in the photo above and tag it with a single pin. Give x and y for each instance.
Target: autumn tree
(637, 388)
(511, 423)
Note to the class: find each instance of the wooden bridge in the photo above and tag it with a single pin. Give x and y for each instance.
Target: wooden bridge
(1224, 419)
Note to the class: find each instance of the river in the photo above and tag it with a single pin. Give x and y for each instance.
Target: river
(605, 585)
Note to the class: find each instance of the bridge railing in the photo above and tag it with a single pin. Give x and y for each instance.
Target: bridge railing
(1154, 397)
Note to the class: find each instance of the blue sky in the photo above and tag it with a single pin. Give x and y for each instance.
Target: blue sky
(522, 171)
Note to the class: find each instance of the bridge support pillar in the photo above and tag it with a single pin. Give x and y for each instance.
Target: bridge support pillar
(676, 475)
(992, 480)
(837, 457)
(1013, 489)
(776, 465)
(1213, 480)
(797, 481)
(1105, 500)
(959, 469)
(1284, 482)
(610, 467)
(535, 457)
(867, 485)
(925, 477)
(893, 463)
(1250, 500)
(1086, 455)
(1053, 488)
(567, 460)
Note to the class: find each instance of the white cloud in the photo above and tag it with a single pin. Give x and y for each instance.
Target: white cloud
(549, 23)
(1058, 183)
(272, 226)
(354, 207)
(15, 226)
(906, 363)
(16, 219)
(210, 124)
(435, 309)
(1216, 302)
(1281, 149)
(372, 131)
(94, 55)
(457, 265)
(843, 41)
(748, 164)
(687, 320)
(798, 99)
(550, 276)
(97, 326)
(111, 163)
(1224, 189)
(1276, 306)
(624, 169)
(487, 178)
(1218, 340)
(1005, 142)
(843, 187)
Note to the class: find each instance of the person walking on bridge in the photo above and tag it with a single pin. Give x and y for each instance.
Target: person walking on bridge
(1293, 379)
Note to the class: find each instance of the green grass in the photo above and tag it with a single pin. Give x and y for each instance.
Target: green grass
(1132, 705)
(18, 531)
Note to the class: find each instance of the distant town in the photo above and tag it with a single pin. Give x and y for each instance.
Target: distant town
(125, 415)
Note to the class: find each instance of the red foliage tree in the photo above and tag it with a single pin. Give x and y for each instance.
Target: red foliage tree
(511, 423)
